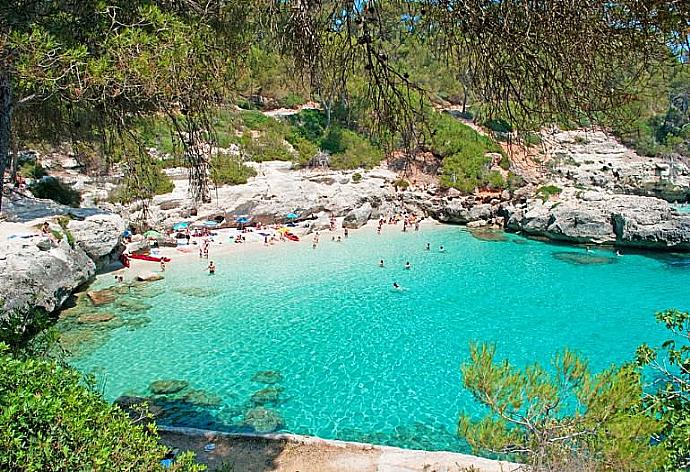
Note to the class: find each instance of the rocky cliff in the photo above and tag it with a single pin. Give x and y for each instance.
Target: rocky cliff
(42, 270)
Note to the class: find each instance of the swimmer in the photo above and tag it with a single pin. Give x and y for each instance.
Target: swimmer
(381, 263)
(162, 265)
(618, 253)
(396, 286)
(428, 247)
(339, 240)
(211, 268)
(407, 265)
(441, 249)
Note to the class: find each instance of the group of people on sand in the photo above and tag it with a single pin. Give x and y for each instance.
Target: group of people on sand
(410, 220)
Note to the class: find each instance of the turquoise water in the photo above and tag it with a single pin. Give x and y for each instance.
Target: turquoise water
(360, 361)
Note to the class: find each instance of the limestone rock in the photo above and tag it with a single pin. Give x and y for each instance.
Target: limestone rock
(263, 420)
(98, 234)
(149, 277)
(358, 217)
(101, 297)
(96, 318)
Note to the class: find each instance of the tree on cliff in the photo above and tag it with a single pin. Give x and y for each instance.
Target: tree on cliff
(90, 69)
(562, 417)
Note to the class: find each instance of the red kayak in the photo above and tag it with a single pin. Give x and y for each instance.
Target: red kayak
(144, 257)
(291, 237)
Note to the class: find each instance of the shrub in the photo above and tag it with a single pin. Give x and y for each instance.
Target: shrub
(32, 170)
(305, 149)
(229, 170)
(356, 177)
(499, 126)
(495, 180)
(401, 184)
(63, 221)
(357, 152)
(547, 191)
(531, 139)
(292, 100)
(153, 181)
(309, 124)
(51, 421)
(254, 120)
(56, 190)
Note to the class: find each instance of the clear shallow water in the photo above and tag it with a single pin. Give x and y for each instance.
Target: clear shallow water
(361, 361)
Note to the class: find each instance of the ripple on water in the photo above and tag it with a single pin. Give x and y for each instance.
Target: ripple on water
(335, 353)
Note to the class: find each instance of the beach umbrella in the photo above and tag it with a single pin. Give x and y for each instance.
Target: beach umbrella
(243, 220)
(292, 216)
(180, 225)
(152, 234)
(210, 224)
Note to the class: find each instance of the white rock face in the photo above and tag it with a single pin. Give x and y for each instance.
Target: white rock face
(44, 278)
(99, 235)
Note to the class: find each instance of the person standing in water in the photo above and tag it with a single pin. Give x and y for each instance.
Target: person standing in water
(211, 268)
(428, 247)
(441, 249)
(408, 266)
(381, 263)
(162, 265)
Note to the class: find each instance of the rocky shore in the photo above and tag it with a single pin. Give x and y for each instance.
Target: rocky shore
(41, 269)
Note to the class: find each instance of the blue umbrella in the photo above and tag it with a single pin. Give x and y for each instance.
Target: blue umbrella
(180, 225)
(242, 220)
(292, 216)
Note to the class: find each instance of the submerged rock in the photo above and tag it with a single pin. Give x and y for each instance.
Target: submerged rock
(198, 292)
(96, 318)
(268, 377)
(579, 258)
(201, 398)
(102, 297)
(165, 387)
(263, 420)
(488, 235)
(134, 306)
(149, 277)
(268, 395)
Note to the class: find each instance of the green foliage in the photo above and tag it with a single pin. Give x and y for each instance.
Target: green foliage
(305, 148)
(531, 139)
(309, 124)
(553, 417)
(49, 420)
(63, 221)
(351, 151)
(255, 120)
(32, 170)
(465, 165)
(56, 190)
(499, 126)
(547, 191)
(401, 184)
(356, 177)
(291, 100)
(229, 170)
(670, 393)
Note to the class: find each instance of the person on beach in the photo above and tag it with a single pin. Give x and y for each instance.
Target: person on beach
(340, 240)
(347, 233)
(381, 263)
(45, 229)
(416, 225)
(211, 268)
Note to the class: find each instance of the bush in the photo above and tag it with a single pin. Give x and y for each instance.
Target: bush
(515, 181)
(56, 190)
(32, 170)
(357, 152)
(401, 184)
(356, 177)
(547, 191)
(495, 180)
(309, 124)
(291, 100)
(63, 221)
(531, 139)
(153, 180)
(51, 421)
(229, 170)
(254, 120)
(305, 149)
(499, 126)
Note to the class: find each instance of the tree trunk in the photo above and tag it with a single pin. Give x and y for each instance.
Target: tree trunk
(5, 123)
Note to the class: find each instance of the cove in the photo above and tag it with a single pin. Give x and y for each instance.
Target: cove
(317, 342)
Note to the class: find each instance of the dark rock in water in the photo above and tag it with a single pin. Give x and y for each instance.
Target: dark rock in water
(135, 306)
(96, 318)
(488, 235)
(134, 406)
(101, 297)
(136, 323)
(201, 398)
(149, 277)
(263, 420)
(579, 258)
(268, 377)
(268, 395)
(164, 387)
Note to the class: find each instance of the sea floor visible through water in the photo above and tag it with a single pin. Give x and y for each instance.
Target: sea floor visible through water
(317, 341)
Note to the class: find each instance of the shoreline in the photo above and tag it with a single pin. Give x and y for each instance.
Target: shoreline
(289, 452)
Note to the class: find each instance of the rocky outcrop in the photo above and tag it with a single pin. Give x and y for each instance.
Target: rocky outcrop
(99, 235)
(358, 217)
(33, 276)
(43, 270)
(600, 218)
